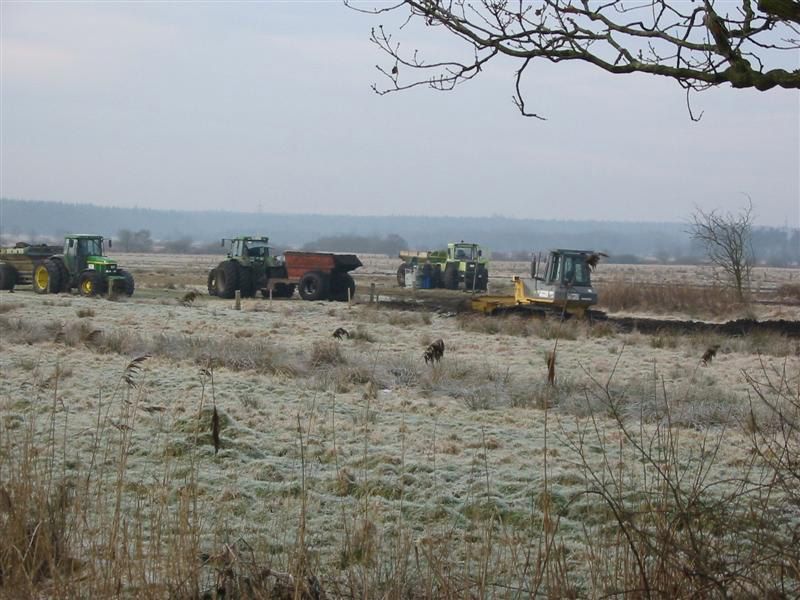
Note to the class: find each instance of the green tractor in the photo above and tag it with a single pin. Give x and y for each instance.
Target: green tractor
(247, 268)
(83, 265)
(462, 265)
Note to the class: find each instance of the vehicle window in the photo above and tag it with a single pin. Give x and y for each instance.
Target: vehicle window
(90, 247)
(257, 249)
(575, 270)
(464, 253)
(555, 273)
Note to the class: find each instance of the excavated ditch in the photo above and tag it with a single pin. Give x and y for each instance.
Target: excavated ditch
(645, 325)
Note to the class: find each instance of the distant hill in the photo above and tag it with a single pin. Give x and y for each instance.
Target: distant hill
(25, 219)
(37, 218)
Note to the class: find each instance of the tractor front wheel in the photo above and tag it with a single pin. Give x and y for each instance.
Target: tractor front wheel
(246, 283)
(314, 286)
(212, 282)
(128, 284)
(91, 283)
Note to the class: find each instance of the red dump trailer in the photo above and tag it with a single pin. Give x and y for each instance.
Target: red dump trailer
(319, 275)
(250, 267)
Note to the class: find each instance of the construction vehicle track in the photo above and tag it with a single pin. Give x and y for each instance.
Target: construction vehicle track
(645, 325)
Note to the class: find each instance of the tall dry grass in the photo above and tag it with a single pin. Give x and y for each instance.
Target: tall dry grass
(666, 528)
(692, 300)
(650, 519)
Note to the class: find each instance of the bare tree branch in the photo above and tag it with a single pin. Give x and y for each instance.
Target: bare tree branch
(699, 44)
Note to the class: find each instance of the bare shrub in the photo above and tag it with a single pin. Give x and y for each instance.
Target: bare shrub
(326, 352)
(675, 530)
(712, 300)
(361, 333)
(789, 291)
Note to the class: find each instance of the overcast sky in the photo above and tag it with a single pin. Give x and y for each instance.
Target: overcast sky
(268, 106)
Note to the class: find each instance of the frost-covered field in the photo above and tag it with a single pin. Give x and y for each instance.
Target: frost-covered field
(378, 452)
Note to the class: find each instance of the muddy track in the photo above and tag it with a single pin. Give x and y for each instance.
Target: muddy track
(734, 328)
(645, 325)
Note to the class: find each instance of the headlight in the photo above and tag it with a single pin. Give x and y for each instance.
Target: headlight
(573, 296)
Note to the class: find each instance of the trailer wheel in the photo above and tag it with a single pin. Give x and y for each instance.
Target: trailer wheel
(451, 276)
(8, 277)
(227, 279)
(281, 290)
(314, 286)
(340, 284)
(401, 275)
(212, 282)
(47, 277)
(90, 283)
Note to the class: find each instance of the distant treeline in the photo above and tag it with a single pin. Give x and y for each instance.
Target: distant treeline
(184, 231)
(390, 245)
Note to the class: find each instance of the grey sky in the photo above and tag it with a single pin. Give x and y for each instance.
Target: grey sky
(268, 105)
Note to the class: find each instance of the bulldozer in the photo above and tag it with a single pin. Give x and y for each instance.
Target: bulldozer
(560, 284)
(462, 265)
(82, 264)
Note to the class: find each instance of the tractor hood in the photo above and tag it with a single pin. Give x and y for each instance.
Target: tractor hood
(101, 261)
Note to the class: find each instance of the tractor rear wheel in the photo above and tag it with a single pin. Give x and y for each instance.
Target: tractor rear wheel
(341, 283)
(66, 281)
(91, 283)
(47, 277)
(401, 275)
(8, 277)
(227, 279)
(128, 284)
(314, 286)
(212, 282)
(451, 276)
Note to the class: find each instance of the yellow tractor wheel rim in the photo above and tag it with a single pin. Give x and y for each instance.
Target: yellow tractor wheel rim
(42, 277)
(87, 287)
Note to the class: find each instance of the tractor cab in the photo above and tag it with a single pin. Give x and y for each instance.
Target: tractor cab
(462, 251)
(249, 250)
(83, 252)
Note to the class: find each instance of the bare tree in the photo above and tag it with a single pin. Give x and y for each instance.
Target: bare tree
(726, 240)
(700, 44)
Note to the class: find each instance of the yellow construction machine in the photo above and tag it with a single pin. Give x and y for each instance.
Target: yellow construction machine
(562, 284)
